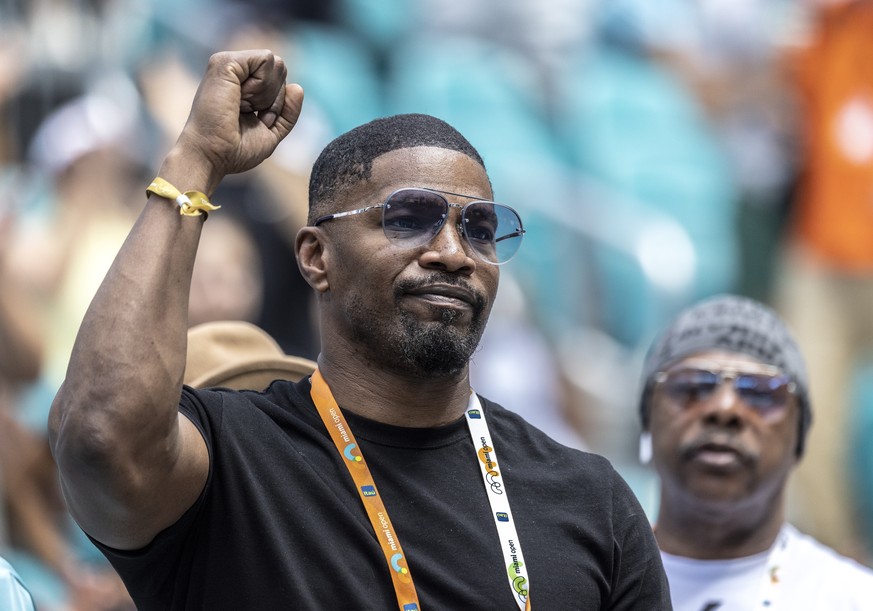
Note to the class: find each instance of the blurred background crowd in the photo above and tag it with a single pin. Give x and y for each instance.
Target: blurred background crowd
(659, 152)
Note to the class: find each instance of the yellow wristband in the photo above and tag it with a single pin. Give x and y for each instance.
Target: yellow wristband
(191, 203)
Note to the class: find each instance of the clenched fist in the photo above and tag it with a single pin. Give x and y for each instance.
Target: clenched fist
(242, 110)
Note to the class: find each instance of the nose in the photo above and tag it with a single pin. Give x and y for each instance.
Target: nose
(724, 408)
(448, 250)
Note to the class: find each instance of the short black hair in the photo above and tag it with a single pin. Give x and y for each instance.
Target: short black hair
(349, 157)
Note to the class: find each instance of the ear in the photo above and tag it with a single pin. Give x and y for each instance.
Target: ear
(312, 257)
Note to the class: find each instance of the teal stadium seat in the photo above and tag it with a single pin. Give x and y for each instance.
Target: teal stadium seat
(378, 23)
(338, 72)
(491, 94)
(629, 126)
(488, 92)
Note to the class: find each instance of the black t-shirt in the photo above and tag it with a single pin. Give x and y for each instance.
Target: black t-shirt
(280, 525)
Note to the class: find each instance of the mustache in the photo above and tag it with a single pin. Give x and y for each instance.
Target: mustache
(716, 441)
(404, 286)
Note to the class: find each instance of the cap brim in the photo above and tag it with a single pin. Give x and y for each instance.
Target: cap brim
(257, 374)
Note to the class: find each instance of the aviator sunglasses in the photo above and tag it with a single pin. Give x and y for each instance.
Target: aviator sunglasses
(414, 216)
(766, 392)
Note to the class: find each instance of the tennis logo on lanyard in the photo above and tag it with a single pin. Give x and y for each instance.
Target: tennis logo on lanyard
(492, 475)
(519, 581)
(348, 452)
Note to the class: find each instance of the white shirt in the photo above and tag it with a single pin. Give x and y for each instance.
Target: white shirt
(809, 577)
(13, 595)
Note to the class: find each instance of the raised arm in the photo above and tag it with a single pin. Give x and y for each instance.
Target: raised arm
(130, 464)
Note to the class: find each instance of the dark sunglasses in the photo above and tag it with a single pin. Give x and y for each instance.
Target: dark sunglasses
(414, 216)
(766, 393)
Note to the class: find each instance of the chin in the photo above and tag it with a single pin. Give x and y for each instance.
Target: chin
(438, 348)
(430, 361)
(718, 494)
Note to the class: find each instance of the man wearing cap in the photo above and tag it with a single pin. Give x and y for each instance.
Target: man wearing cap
(380, 481)
(725, 412)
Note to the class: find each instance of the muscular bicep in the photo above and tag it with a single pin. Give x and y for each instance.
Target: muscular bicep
(126, 505)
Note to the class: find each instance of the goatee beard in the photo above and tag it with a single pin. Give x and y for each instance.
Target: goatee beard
(438, 348)
(423, 349)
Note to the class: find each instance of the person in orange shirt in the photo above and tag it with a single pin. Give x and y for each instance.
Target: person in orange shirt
(825, 290)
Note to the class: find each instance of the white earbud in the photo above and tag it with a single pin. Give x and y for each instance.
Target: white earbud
(645, 447)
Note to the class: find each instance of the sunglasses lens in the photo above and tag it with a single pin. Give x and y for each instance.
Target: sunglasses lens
(764, 393)
(688, 386)
(412, 217)
(493, 230)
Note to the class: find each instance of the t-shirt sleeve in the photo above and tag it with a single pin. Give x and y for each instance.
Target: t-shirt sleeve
(639, 580)
(149, 572)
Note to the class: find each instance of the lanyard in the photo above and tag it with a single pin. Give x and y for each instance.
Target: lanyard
(498, 497)
(347, 446)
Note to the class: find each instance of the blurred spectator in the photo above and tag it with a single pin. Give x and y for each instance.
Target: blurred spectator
(13, 595)
(37, 534)
(826, 285)
(239, 355)
(227, 283)
(725, 413)
(59, 145)
(20, 333)
(80, 153)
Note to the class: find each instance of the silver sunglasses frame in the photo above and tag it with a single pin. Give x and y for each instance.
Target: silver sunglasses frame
(461, 229)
